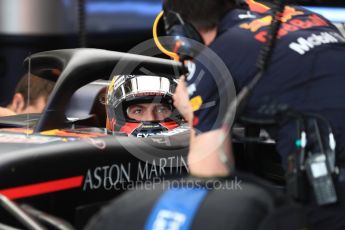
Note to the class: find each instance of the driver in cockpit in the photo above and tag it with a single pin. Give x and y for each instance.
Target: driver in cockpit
(141, 105)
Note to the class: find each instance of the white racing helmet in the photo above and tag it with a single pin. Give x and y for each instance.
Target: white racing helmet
(125, 91)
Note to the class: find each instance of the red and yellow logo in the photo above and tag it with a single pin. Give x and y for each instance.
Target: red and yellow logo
(255, 25)
(196, 103)
(289, 13)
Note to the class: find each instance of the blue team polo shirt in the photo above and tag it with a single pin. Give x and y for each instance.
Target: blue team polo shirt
(307, 71)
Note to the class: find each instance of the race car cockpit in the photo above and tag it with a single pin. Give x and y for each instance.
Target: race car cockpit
(65, 164)
(60, 163)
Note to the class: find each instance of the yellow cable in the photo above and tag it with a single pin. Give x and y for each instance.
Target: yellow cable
(157, 42)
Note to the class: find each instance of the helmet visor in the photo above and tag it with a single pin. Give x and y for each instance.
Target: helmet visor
(130, 87)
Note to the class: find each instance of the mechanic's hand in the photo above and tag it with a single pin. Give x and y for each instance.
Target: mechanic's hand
(181, 101)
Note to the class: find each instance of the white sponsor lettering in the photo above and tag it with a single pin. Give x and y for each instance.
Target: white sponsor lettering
(145, 135)
(110, 176)
(160, 167)
(107, 177)
(247, 15)
(340, 37)
(303, 45)
(167, 219)
(191, 89)
(191, 69)
(175, 131)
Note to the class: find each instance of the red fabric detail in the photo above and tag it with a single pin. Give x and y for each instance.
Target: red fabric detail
(129, 127)
(195, 121)
(169, 125)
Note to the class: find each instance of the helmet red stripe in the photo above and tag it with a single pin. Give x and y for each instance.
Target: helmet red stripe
(130, 127)
(169, 125)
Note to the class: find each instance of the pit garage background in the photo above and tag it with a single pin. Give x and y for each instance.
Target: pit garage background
(30, 26)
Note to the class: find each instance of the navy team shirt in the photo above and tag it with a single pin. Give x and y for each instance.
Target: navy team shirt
(307, 71)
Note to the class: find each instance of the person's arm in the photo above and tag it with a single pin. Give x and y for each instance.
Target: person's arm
(206, 148)
(181, 101)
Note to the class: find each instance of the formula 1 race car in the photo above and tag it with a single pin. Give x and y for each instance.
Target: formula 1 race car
(59, 167)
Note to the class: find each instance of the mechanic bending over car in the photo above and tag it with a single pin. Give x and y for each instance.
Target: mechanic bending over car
(194, 203)
(141, 105)
(29, 97)
(302, 90)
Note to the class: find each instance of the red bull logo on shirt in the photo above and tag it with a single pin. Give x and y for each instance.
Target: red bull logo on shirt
(255, 25)
(293, 20)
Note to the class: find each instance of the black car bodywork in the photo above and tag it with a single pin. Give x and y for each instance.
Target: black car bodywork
(49, 165)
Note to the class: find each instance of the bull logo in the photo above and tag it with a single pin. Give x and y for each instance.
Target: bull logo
(255, 25)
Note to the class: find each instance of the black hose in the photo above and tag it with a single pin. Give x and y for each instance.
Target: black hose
(81, 24)
(237, 106)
